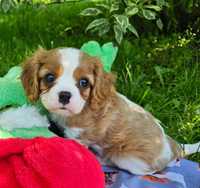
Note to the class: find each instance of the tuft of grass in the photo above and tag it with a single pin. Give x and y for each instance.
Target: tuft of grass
(160, 73)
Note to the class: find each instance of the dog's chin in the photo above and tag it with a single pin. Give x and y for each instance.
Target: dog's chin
(63, 111)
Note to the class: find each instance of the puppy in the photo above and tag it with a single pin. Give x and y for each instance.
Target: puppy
(81, 97)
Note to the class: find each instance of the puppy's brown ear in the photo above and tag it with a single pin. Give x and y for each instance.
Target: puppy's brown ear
(103, 85)
(29, 74)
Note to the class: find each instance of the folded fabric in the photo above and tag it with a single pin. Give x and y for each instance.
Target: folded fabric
(179, 174)
(47, 162)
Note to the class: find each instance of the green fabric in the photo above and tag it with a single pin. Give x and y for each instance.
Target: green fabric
(11, 89)
(107, 53)
(13, 94)
(26, 133)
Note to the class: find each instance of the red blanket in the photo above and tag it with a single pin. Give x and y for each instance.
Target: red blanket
(47, 163)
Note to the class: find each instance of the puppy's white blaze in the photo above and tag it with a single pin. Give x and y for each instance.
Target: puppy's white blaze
(133, 165)
(69, 60)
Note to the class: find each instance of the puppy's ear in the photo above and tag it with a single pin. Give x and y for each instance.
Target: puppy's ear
(29, 74)
(103, 85)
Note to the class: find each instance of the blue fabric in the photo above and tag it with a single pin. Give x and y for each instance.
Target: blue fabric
(178, 174)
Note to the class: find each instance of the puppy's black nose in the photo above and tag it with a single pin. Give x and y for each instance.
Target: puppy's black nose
(64, 97)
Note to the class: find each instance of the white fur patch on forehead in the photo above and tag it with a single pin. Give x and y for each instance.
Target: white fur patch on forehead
(70, 58)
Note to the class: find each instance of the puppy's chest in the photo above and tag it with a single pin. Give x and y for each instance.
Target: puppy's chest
(86, 128)
(69, 132)
(73, 133)
(89, 131)
(87, 135)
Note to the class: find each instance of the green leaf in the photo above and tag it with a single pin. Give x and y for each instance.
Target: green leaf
(114, 6)
(130, 11)
(103, 29)
(97, 23)
(126, 2)
(154, 7)
(159, 73)
(103, 6)
(162, 3)
(68, 29)
(122, 21)
(133, 30)
(129, 3)
(5, 5)
(159, 23)
(118, 33)
(148, 14)
(90, 12)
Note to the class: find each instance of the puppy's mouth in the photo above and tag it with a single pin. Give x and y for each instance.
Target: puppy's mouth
(63, 108)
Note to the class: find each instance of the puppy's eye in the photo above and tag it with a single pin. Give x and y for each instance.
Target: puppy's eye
(83, 82)
(49, 78)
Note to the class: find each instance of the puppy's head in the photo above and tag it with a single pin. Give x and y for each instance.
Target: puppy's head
(66, 80)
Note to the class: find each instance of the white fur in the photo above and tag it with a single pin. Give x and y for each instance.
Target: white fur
(70, 59)
(61, 120)
(133, 165)
(22, 117)
(166, 153)
(72, 133)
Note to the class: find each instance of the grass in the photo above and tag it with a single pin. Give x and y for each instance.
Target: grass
(24, 29)
(166, 81)
(160, 73)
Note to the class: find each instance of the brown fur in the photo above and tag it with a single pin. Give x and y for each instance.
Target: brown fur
(35, 68)
(120, 130)
(119, 133)
(101, 83)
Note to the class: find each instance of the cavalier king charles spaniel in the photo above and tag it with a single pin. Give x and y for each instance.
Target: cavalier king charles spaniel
(81, 97)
